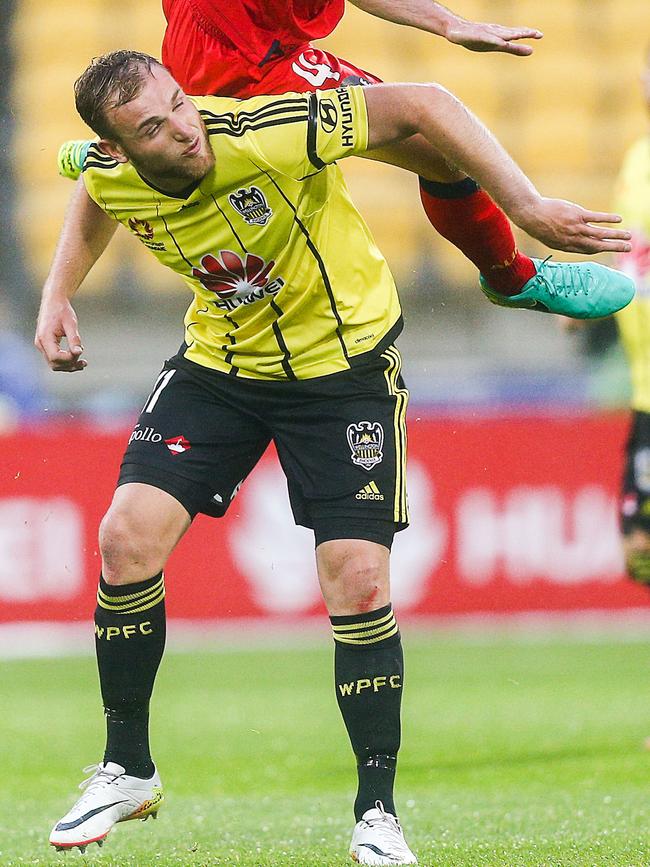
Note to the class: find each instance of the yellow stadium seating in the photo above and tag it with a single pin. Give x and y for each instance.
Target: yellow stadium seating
(567, 113)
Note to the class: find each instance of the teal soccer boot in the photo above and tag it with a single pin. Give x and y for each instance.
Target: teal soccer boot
(71, 156)
(581, 290)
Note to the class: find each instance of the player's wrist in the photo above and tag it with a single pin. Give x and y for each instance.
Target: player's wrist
(55, 294)
(525, 209)
(445, 23)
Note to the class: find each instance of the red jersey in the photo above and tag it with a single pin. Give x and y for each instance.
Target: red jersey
(231, 46)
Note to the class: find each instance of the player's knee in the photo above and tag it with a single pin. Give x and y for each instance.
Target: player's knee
(636, 546)
(127, 547)
(354, 576)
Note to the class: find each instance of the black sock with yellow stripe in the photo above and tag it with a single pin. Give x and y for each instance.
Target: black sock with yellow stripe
(369, 672)
(129, 641)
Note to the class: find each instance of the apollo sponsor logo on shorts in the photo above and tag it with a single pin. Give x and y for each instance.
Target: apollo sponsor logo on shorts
(145, 435)
(366, 440)
(178, 445)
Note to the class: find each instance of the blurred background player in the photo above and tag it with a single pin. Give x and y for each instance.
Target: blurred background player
(633, 201)
(244, 49)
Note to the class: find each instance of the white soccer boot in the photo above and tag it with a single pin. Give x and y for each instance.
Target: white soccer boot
(110, 796)
(378, 839)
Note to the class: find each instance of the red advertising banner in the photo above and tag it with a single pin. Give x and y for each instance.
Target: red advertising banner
(508, 515)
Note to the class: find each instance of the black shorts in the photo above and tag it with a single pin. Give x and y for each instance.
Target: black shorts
(341, 441)
(635, 499)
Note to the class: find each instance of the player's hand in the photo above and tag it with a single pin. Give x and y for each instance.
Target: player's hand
(57, 321)
(566, 226)
(492, 37)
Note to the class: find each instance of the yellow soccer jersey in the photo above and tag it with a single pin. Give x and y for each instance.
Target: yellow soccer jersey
(287, 280)
(633, 203)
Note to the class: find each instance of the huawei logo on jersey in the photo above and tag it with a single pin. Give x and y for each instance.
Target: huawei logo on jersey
(235, 280)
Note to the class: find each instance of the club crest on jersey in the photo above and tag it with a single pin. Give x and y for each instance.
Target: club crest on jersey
(252, 206)
(366, 440)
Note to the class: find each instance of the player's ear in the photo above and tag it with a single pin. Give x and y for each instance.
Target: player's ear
(113, 149)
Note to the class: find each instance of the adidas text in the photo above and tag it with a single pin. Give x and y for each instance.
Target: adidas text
(369, 492)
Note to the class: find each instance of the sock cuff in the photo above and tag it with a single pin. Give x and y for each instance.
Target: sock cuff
(363, 630)
(457, 190)
(131, 598)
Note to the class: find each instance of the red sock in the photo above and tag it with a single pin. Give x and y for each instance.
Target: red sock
(467, 216)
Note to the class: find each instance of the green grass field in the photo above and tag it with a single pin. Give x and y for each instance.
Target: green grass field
(514, 754)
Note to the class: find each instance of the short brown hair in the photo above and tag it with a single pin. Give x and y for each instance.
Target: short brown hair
(110, 81)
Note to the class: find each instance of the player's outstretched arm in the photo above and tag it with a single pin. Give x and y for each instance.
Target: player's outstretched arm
(86, 232)
(435, 18)
(398, 111)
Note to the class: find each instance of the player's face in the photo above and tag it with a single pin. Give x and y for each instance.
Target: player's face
(162, 133)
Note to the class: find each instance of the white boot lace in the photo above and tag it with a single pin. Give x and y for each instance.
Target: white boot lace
(388, 827)
(98, 778)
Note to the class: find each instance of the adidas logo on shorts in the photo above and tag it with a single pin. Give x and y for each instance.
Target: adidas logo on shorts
(369, 492)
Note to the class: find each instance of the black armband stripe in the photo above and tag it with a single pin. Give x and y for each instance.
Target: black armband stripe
(312, 128)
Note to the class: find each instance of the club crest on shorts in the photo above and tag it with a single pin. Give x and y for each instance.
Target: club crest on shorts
(252, 206)
(366, 440)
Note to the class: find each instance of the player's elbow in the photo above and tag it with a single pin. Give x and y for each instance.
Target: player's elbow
(433, 104)
(398, 111)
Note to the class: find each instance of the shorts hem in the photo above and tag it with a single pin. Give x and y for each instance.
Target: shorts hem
(180, 488)
(339, 529)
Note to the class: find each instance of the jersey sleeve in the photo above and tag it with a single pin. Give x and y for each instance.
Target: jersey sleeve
(92, 185)
(295, 134)
(96, 171)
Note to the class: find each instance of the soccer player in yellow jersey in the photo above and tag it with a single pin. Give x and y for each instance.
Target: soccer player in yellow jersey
(633, 200)
(289, 337)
